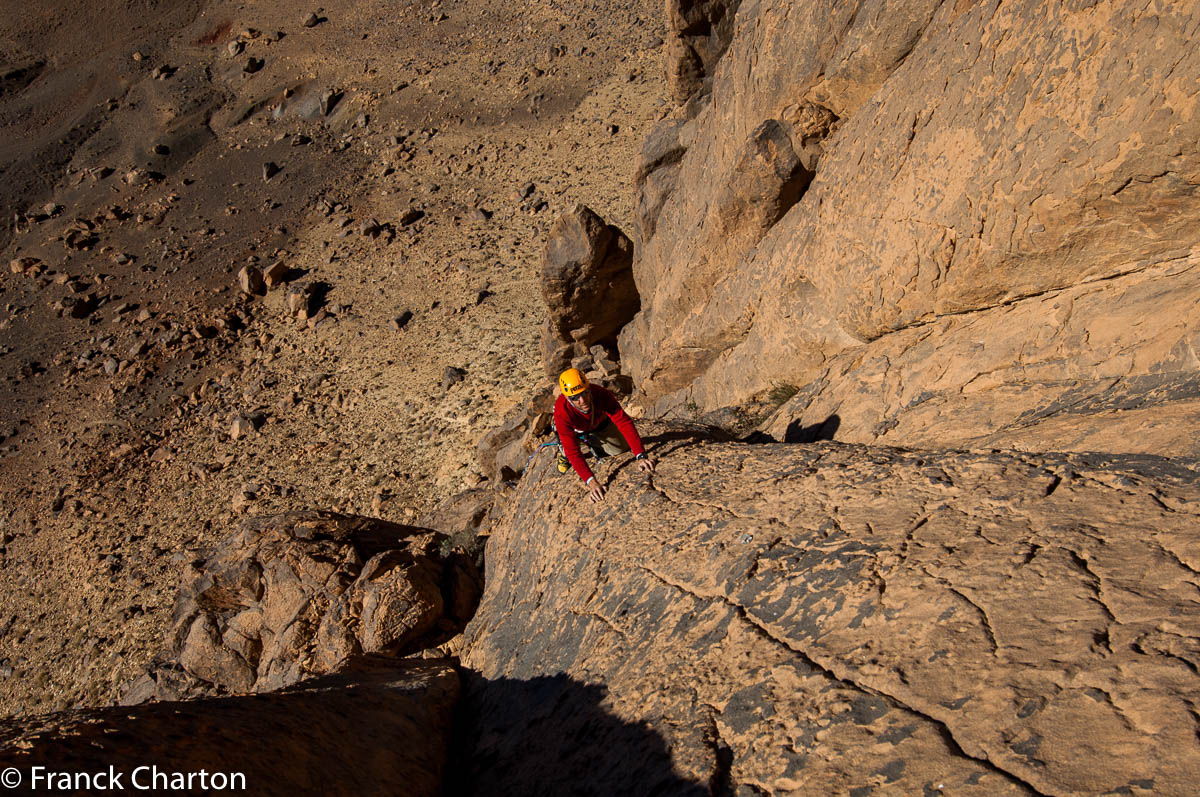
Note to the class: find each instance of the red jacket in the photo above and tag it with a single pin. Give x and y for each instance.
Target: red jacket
(568, 422)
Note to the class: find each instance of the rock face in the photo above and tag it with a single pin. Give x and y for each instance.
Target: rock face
(831, 618)
(378, 722)
(295, 595)
(918, 206)
(588, 287)
(1109, 366)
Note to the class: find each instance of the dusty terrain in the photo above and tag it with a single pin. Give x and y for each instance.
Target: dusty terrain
(136, 138)
(911, 334)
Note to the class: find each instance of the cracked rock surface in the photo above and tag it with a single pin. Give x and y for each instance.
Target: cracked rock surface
(831, 618)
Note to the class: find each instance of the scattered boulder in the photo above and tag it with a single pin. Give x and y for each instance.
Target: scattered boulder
(171, 337)
(300, 301)
(329, 100)
(411, 216)
(276, 275)
(250, 281)
(401, 321)
(81, 306)
(23, 265)
(452, 376)
(241, 426)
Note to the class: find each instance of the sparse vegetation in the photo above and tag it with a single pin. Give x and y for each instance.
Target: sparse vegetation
(780, 394)
(740, 420)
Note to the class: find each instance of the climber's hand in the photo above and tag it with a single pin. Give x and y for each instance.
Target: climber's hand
(646, 464)
(596, 493)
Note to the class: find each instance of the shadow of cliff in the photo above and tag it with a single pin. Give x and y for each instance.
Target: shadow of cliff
(553, 735)
(381, 726)
(379, 723)
(797, 432)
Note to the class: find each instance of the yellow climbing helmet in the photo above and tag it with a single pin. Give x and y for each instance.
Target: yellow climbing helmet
(572, 382)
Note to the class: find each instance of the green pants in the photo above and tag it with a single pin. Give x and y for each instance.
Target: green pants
(608, 439)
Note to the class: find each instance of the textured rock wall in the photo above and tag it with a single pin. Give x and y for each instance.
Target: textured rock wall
(974, 174)
(700, 31)
(832, 618)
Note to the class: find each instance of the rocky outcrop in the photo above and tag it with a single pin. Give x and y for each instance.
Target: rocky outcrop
(1002, 201)
(376, 724)
(503, 451)
(831, 618)
(295, 595)
(587, 285)
(700, 31)
(469, 512)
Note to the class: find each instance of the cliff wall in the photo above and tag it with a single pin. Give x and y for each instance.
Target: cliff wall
(952, 223)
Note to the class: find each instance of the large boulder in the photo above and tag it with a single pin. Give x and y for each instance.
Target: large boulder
(1002, 210)
(376, 724)
(587, 283)
(836, 619)
(294, 595)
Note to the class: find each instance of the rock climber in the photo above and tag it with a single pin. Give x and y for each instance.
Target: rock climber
(592, 414)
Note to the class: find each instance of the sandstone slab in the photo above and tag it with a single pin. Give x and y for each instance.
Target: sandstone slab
(829, 618)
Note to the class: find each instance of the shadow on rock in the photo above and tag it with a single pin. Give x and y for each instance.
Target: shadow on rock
(377, 723)
(797, 432)
(553, 735)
